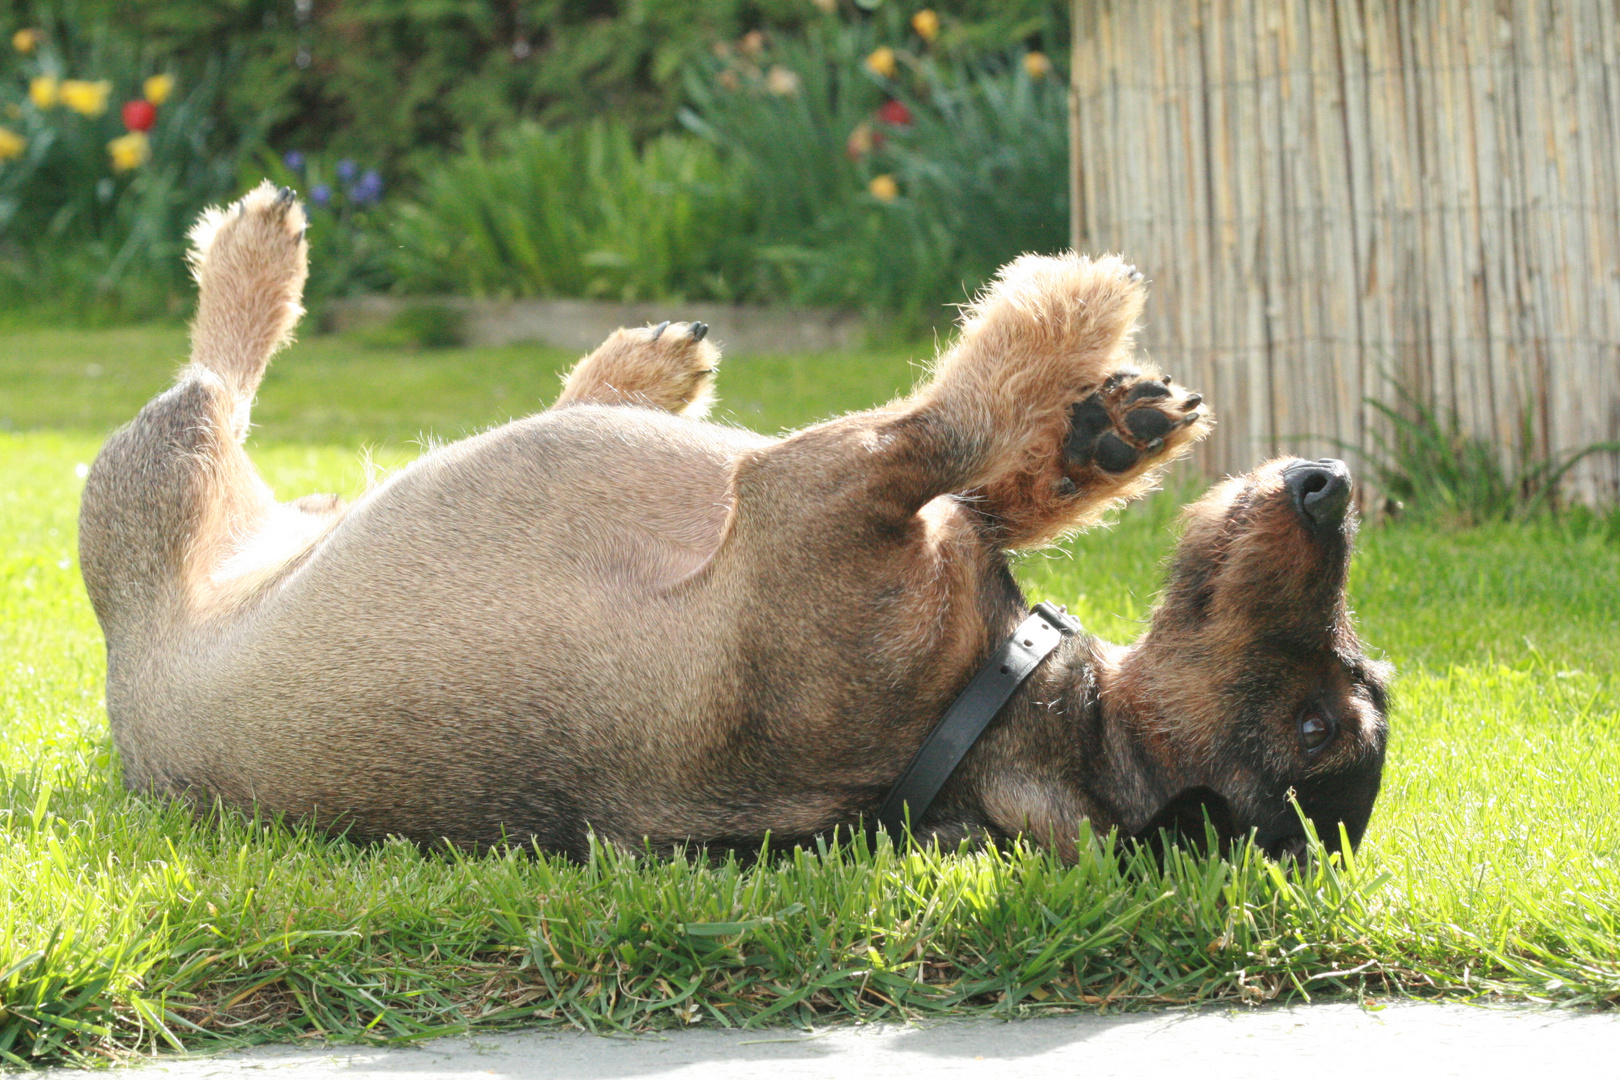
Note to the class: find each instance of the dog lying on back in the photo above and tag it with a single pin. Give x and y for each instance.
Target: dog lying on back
(613, 617)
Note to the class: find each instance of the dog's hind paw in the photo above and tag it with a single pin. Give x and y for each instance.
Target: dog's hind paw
(669, 366)
(250, 260)
(265, 227)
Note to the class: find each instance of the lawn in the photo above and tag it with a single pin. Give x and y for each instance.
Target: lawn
(1491, 867)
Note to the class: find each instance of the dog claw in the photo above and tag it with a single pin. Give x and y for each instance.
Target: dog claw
(700, 331)
(285, 196)
(1064, 487)
(658, 331)
(1193, 402)
(1087, 420)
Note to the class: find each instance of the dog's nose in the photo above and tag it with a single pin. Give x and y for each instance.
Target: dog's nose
(1320, 489)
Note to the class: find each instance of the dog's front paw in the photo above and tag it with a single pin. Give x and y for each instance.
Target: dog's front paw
(1132, 422)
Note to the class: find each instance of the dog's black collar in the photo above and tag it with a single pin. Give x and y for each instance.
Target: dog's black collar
(971, 713)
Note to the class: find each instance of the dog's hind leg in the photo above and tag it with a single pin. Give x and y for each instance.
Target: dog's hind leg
(173, 494)
(669, 366)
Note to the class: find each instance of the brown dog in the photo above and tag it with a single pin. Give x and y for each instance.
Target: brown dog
(614, 617)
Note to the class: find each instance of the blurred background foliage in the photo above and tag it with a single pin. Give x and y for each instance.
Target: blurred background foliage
(865, 153)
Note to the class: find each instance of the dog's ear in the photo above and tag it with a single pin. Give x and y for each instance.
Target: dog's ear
(1186, 820)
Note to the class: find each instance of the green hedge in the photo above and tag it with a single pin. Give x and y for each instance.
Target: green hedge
(393, 83)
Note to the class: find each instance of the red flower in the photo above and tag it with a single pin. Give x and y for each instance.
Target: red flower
(894, 113)
(139, 115)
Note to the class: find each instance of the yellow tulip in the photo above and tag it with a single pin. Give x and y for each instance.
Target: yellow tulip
(11, 144)
(1038, 66)
(881, 62)
(25, 41)
(88, 98)
(926, 23)
(42, 91)
(129, 151)
(157, 88)
(883, 188)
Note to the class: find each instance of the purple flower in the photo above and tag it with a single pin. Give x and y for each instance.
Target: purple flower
(320, 194)
(293, 160)
(368, 188)
(346, 170)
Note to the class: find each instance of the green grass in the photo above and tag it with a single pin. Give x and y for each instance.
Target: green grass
(1490, 866)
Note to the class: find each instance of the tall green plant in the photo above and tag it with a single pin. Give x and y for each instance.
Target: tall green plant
(581, 212)
(1436, 469)
(888, 172)
(786, 113)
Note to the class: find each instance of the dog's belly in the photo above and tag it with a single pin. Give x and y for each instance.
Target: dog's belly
(523, 624)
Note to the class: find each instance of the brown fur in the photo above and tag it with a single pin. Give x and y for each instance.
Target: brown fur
(614, 617)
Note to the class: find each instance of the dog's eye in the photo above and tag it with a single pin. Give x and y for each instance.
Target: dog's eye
(1315, 732)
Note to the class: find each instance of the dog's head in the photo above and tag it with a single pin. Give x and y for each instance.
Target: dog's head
(1250, 689)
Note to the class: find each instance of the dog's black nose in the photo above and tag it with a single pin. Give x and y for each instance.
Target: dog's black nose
(1321, 490)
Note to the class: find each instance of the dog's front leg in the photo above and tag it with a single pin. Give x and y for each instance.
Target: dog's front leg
(1042, 383)
(1038, 417)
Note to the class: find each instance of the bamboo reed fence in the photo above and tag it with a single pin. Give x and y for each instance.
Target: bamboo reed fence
(1330, 194)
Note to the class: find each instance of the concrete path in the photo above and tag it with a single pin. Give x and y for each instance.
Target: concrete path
(1315, 1042)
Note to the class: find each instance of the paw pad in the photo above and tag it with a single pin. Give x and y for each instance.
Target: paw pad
(1126, 421)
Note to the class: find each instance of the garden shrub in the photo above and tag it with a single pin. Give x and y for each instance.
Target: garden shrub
(782, 200)
(397, 83)
(580, 212)
(886, 173)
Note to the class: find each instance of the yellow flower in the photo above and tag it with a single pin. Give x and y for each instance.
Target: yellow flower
(89, 98)
(11, 144)
(883, 188)
(129, 151)
(25, 41)
(1038, 66)
(926, 23)
(42, 91)
(881, 62)
(157, 88)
